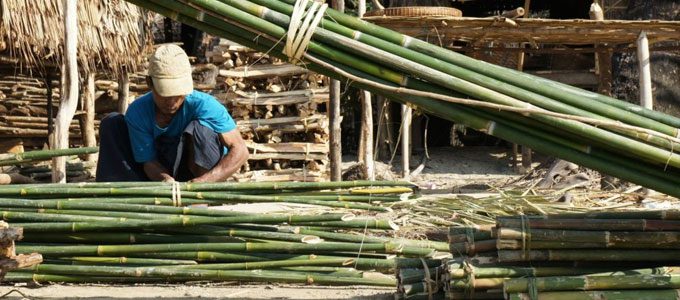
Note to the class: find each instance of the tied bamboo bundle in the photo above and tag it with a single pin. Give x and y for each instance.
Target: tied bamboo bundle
(620, 139)
(111, 232)
(648, 236)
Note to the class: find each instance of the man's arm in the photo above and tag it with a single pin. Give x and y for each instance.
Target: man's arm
(230, 163)
(157, 172)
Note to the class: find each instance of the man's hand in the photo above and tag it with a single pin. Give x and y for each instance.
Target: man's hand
(230, 163)
(157, 172)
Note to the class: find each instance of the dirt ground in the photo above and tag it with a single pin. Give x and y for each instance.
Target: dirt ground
(193, 291)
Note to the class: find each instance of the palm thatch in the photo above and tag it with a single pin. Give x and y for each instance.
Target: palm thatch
(112, 34)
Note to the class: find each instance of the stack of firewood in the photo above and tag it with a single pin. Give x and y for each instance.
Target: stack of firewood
(9, 260)
(279, 109)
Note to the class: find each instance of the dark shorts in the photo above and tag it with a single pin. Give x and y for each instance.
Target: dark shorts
(116, 162)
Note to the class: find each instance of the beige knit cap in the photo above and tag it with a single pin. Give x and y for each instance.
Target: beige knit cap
(170, 71)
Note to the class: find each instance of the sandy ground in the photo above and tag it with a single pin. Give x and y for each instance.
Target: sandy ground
(59, 291)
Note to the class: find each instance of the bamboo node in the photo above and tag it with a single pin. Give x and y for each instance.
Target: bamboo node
(310, 279)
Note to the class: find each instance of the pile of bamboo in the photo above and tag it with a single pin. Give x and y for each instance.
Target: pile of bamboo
(592, 255)
(155, 232)
(595, 131)
(279, 109)
(26, 167)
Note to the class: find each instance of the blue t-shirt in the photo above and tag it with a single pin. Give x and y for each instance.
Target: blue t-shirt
(143, 130)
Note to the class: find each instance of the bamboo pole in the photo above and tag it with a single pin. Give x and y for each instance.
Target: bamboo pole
(69, 91)
(669, 294)
(227, 275)
(630, 282)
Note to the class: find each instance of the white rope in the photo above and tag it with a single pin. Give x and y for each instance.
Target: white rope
(300, 31)
(176, 194)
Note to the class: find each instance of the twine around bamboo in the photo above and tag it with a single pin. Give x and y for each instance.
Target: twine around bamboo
(300, 31)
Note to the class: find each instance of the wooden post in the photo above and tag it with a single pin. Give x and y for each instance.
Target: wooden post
(383, 138)
(526, 151)
(335, 118)
(123, 91)
(406, 115)
(69, 92)
(366, 141)
(87, 119)
(646, 99)
(604, 66)
(50, 107)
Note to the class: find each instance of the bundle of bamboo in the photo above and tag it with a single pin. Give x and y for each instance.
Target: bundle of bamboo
(143, 232)
(592, 130)
(565, 256)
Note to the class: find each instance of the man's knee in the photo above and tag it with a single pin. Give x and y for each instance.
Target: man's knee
(112, 121)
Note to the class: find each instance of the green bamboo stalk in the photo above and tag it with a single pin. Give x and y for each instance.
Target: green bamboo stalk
(580, 255)
(547, 245)
(184, 221)
(591, 224)
(465, 234)
(477, 284)
(670, 214)
(18, 276)
(230, 275)
(329, 200)
(122, 238)
(567, 283)
(357, 223)
(590, 236)
(472, 248)
(457, 271)
(17, 158)
(88, 260)
(346, 237)
(597, 295)
(280, 247)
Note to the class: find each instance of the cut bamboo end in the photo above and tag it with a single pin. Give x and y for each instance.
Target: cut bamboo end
(348, 217)
(310, 239)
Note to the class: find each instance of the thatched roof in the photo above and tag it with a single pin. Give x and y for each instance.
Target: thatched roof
(111, 34)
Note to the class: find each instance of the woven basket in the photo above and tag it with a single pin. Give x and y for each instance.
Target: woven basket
(416, 11)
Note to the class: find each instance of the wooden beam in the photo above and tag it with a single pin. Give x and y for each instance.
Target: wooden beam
(69, 92)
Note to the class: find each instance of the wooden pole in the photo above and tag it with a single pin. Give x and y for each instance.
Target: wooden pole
(646, 99)
(50, 113)
(366, 120)
(123, 91)
(335, 118)
(406, 115)
(526, 151)
(69, 92)
(87, 119)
